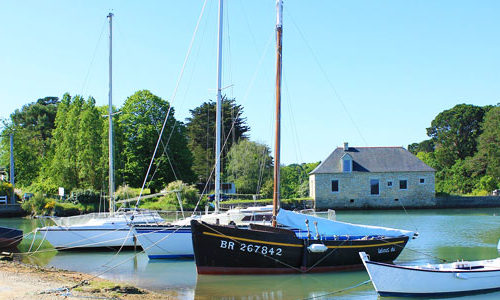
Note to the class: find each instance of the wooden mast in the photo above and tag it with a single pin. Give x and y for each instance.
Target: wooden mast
(277, 147)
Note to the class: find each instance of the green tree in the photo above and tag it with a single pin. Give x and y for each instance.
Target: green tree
(32, 129)
(64, 169)
(424, 146)
(295, 180)
(142, 119)
(429, 159)
(488, 154)
(201, 133)
(456, 180)
(455, 132)
(249, 166)
(89, 147)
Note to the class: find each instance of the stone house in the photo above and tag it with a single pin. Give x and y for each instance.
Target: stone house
(363, 177)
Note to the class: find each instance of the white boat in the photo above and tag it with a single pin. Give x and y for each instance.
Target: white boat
(97, 230)
(461, 277)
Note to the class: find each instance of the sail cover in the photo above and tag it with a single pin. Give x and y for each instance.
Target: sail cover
(328, 228)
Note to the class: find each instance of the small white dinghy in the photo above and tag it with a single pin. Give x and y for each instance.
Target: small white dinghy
(462, 277)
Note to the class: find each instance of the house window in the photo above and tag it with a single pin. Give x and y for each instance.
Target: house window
(403, 184)
(422, 181)
(347, 165)
(389, 183)
(374, 185)
(335, 186)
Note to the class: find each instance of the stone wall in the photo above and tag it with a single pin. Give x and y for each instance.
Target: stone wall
(354, 190)
(467, 202)
(11, 210)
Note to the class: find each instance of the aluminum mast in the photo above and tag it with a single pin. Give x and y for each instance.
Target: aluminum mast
(110, 117)
(218, 117)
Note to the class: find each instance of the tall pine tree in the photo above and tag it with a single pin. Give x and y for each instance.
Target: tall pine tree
(201, 133)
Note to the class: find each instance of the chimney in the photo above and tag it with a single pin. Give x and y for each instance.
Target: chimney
(346, 146)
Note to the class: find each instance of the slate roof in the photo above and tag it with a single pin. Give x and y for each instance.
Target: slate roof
(373, 159)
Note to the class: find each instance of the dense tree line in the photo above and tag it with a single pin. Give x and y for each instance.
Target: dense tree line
(64, 143)
(464, 148)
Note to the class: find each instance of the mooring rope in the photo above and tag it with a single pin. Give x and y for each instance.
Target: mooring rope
(339, 291)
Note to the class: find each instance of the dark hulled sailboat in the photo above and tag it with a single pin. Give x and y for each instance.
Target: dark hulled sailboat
(227, 249)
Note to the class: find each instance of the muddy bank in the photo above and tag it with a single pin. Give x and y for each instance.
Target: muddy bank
(23, 281)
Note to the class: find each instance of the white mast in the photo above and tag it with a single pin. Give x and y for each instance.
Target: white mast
(277, 146)
(218, 117)
(110, 117)
(11, 174)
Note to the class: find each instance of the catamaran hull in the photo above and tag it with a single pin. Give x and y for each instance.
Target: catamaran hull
(161, 242)
(84, 237)
(392, 280)
(222, 249)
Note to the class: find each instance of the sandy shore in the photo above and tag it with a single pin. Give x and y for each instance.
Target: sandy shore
(22, 281)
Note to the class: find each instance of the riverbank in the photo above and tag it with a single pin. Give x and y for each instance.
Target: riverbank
(23, 281)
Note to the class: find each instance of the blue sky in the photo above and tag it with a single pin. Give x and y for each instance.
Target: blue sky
(371, 73)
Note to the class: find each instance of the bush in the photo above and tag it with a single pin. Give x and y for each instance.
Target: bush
(487, 183)
(125, 192)
(37, 205)
(5, 189)
(66, 209)
(442, 194)
(189, 196)
(44, 185)
(87, 198)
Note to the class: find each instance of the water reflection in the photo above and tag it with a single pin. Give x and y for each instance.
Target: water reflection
(444, 234)
(277, 287)
(131, 267)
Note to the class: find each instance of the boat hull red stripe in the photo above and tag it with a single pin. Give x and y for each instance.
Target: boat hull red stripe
(204, 270)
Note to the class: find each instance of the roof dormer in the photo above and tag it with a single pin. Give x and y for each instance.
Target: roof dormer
(346, 163)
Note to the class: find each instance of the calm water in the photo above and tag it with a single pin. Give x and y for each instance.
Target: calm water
(449, 234)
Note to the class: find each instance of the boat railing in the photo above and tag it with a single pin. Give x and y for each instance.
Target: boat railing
(143, 216)
(146, 216)
(175, 215)
(80, 219)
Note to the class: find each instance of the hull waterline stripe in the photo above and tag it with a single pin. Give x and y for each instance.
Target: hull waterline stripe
(364, 246)
(250, 240)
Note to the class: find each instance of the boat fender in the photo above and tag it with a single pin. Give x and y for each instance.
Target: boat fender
(317, 248)
(461, 276)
